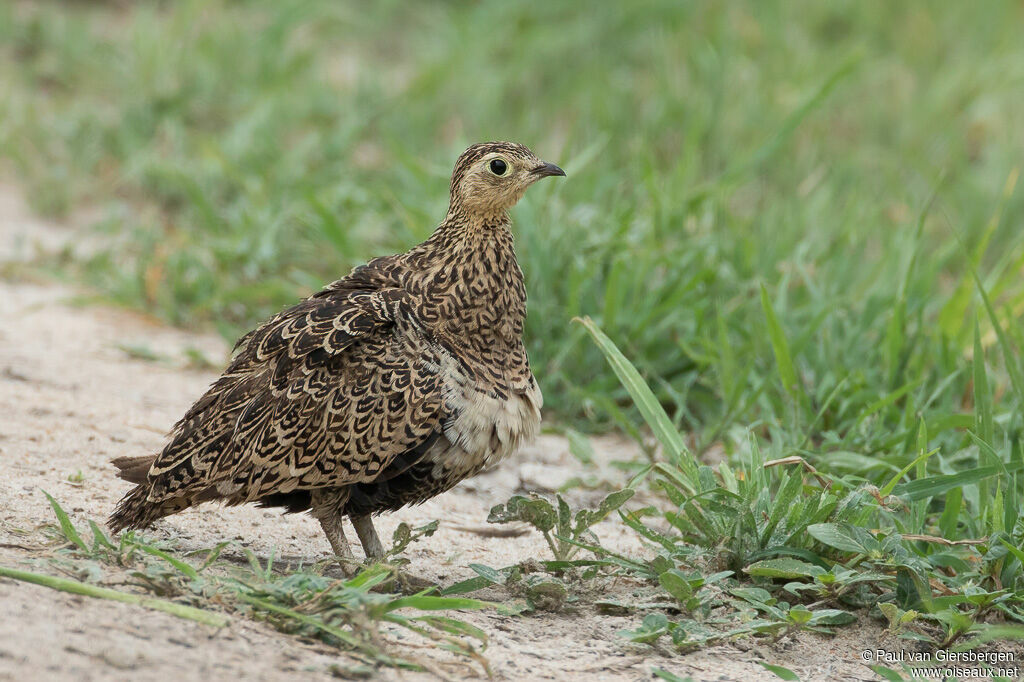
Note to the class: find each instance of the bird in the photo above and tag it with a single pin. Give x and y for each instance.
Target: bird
(385, 388)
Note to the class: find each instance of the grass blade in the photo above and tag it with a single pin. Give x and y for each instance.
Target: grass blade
(87, 590)
(896, 330)
(1009, 357)
(183, 567)
(951, 513)
(783, 357)
(100, 538)
(982, 394)
(66, 527)
(430, 603)
(993, 633)
(303, 618)
(938, 485)
(955, 310)
(645, 400)
(888, 488)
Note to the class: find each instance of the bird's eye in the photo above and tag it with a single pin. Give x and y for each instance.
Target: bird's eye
(498, 167)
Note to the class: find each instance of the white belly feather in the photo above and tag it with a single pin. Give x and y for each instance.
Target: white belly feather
(485, 429)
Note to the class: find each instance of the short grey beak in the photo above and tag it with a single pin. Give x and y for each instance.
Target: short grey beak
(546, 169)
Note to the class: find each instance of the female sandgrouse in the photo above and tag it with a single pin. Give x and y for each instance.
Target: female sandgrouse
(384, 389)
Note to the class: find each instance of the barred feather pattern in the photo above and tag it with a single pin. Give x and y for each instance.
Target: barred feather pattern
(387, 387)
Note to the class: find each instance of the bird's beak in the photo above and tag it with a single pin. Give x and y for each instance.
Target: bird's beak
(547, 169)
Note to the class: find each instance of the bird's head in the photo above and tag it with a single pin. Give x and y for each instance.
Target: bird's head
(490, 177)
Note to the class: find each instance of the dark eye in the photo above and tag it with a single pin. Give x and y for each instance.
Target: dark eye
(498, 167)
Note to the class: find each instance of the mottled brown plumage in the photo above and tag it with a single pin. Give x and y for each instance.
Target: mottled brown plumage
(386, 388)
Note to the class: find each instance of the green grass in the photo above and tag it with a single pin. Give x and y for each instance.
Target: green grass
(937, 569)
(243, 154)
(795, 223)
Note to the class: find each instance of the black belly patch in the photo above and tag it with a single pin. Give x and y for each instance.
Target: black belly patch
(294, 502)
(414, 485)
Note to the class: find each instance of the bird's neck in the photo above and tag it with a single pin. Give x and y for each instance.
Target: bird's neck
(468, 272)
(460, 230)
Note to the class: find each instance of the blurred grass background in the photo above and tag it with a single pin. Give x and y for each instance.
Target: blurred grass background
(243, 154)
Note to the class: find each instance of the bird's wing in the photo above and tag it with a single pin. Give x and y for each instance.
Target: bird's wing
(326, 393)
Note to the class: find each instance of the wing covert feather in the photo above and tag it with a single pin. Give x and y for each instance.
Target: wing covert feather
(326, 393)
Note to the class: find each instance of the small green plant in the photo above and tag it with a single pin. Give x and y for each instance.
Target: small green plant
(545, 585)
(404, 535)
(564, 533)
(897, 618)
(833, 586)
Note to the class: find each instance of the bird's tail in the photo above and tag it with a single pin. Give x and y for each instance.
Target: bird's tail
(134, 469)
(134, 511)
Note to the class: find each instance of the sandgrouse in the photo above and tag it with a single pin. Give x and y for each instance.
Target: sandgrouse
(384, 389)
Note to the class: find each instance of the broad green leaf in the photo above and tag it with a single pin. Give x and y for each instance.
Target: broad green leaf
(753, 595)
(784, 568)
(492, 574)
(564, 516)
(832, 617)
(468, 585)
(799, 615)
(676, 584)
(654, 625)
(838, 536)
(586, 518)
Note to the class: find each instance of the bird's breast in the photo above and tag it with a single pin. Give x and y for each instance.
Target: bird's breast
(490, 415)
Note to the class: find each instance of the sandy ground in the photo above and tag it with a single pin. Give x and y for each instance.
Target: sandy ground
(71, 398)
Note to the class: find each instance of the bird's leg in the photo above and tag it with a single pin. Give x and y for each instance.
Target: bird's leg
(327, 507)
(373, 548)
(336, 535)
(368, 537)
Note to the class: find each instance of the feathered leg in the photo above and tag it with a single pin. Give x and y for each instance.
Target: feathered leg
(327, 507)
(368, 537)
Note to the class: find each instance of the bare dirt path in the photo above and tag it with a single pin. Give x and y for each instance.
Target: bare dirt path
(72, 398)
